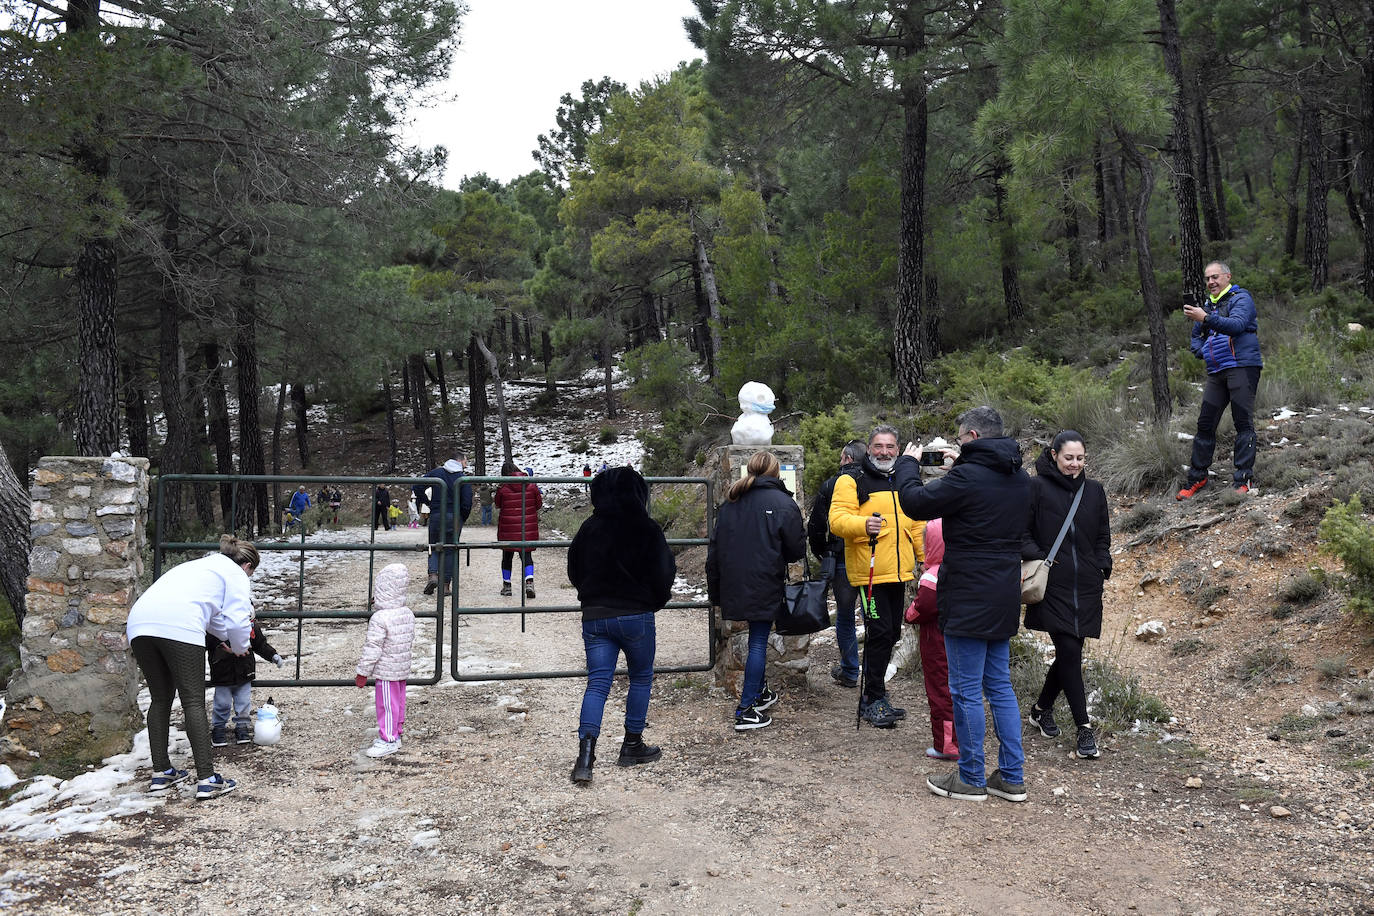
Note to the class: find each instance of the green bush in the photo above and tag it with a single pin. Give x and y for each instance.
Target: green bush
(1120, 699)
(1020, 387)
(1148, 456)
(1302, 589)
(822, 436)
(664, 373)
(607, 435)
(1344, 533)
(1304, 372)
(680, 509)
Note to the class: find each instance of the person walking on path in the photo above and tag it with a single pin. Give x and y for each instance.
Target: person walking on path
(233, 677)
(300, 501)
(381, 506)
(1226, 337)
(983, 502)
(166, 631)
(934, 664)
(445, 527)
(1071, 610)
(824, 544)
(518, 504)
(387, 656)
(758, 532)
(623, 571)
(864, 505)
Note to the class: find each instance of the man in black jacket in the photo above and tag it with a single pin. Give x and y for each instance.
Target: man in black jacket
(826, 545)
(984, 501)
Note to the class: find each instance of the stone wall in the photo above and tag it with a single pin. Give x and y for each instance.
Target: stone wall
(89, 517)
(788, 660)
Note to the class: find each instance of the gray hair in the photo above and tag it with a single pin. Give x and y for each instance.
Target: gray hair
(985, 421)
(853, 452)
(1225, 268)
(884, 429)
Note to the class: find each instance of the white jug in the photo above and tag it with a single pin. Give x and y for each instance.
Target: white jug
(267, 726)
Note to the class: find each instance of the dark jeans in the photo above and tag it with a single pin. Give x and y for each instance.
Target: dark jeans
(441, 533)
(1066, 675)
(846, 598)
(1236, 387)
(633, 634)
(755, 665)
(882, 634)
(379, 516)
(174, 668)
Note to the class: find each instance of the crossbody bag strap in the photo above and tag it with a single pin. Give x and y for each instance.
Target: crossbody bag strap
(1068, 520)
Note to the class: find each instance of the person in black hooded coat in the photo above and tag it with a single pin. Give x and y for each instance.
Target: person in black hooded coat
(1072, 607)
(623, 571)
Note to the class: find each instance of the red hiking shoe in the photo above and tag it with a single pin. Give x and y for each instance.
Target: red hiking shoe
(1243, 489)
(1190, 491)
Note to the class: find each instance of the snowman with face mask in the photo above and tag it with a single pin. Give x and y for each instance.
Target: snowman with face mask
(755, 404)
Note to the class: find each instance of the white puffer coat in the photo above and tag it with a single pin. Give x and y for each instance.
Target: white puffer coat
(386, 656)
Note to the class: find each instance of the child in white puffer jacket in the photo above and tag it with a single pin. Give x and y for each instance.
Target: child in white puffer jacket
(386, 656)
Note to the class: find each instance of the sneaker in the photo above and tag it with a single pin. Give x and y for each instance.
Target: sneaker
(933, 754)
(1087, 745)
(898, 712)
(839, 677)
(1001, 787)
(505, 589)
(751, 719)
(382, 748)
(219, 736)
(242, 735)
(766, 698)
(214, 786)
(1190, 491)
(1243, 489)
(166, 779)
(432, 583)
(878, 713)
(951, 786)
(529, 588)
(1043, 719)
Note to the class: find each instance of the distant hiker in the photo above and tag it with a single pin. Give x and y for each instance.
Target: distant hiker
(233, 677)
(414, 511)
(335, 499)
(393, 513)
(825, 544)
(387, 655)
(447, 514)
(1071, 611)
(519, 506)
(1225, 335)
(381, 504)
(604, 467)
(979, 598)
(295, 510)
(587, 474)
(758, 532)
(618, 608)
(934, 665)
(166, 631)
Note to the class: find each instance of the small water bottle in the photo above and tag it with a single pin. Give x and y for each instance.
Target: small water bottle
(267, 725)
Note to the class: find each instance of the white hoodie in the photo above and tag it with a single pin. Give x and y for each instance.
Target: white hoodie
(386, 654)
(210, 595)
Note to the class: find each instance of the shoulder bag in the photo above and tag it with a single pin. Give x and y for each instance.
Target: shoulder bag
(1035, 574)
(804, 609)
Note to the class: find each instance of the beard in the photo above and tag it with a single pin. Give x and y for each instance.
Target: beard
(883, 464)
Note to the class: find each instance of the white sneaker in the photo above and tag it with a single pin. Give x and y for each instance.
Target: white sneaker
(382, 748)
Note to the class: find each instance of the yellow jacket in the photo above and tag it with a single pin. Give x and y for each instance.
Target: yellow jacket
(901, 544)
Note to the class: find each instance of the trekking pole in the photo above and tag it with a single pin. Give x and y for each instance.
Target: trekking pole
(870, 613)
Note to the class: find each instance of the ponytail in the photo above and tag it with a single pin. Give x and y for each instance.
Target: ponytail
(762, 464)
(239, 551)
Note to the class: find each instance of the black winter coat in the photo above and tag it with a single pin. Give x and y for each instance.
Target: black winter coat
(230, 670)
(619, 560)
(983, 500)
(1073, 596)
(755, 538)
(823, 543)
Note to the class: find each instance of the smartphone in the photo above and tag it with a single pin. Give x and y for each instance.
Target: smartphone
(932, 459)
(1189, 299)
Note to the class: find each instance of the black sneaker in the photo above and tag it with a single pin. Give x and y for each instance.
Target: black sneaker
(751, 719)
(1087, 744)
(839, 677)
(431, 583)
(898, 712)
(951, 786)
(765, 699)
(1043, 719)
(242, 735)
(878, 713)
(1012, 791)
(219, 736)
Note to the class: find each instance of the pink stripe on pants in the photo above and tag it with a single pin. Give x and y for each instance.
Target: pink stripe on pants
(391, 709)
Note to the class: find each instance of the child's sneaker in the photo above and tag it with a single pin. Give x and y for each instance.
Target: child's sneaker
(505, 589)
(382, 748)
(219, 736)
(242, 735)
(213, 787)
(529, 588)
(166, 779)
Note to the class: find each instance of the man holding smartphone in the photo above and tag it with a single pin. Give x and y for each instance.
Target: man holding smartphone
(1225, 336)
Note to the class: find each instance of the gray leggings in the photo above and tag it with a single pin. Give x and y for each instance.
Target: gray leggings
(172, 667)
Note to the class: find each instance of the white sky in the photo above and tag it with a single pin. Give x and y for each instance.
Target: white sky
(516, 58)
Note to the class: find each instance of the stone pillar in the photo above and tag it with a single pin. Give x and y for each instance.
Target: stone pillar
(788, 661)
(76, 692)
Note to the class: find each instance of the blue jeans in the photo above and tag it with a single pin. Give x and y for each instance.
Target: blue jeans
(241, 698)
(846, 598)
(605, 639)
(979, 667)
(755, 664)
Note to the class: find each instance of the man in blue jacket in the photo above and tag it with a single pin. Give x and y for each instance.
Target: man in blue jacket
(1225, 337)
(445, 527)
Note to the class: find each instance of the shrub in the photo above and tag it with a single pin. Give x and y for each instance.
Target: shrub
(1305, 372)
(664, 373)
(1301, 589)
(680, 509)
(1149, 456)
(1189, 646)
(822, 436)
(581, 446)
(1209, 595)
(1100, 417)
(1019, 387)
(1344, 534)
(607, 435)
(1333, 667)
(1119, 700)
(1263, 662)
(1140, 517)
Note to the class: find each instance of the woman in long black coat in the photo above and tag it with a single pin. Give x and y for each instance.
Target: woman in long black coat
(1072, 607)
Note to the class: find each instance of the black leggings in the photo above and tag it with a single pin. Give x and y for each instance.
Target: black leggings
(881, 634)
(175, 668)
(508, 557)
(1066, 674)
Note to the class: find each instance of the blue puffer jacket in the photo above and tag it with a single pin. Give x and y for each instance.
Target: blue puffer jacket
(1228, 336)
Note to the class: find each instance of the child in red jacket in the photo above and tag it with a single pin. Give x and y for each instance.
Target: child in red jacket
(934, 665)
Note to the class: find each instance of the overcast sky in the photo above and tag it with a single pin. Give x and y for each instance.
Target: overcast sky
(518, 57)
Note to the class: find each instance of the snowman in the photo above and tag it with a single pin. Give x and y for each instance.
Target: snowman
(755, 404)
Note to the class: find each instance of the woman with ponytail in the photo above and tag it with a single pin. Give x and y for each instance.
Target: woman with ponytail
(758, 532)
(166, 631)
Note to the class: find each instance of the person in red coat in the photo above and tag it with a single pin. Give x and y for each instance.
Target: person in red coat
(518, 505)
(934, 664)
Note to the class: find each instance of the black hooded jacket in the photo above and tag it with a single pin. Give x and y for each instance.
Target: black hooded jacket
(1073, 596)
(823, 543)
(619, 560)
(984, 501)
(754, 539)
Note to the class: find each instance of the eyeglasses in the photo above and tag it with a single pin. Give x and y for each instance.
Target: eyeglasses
(965, 437)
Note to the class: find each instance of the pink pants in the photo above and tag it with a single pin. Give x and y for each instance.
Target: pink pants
(391, 709)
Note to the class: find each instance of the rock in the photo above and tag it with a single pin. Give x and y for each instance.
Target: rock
(1150, 630)
(1335, 733)
(1193, 782)
(82, 546)
(66, 661)
(1342, 817)
(1280, 811)
(1310, 711)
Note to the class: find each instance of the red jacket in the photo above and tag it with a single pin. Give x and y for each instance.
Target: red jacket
(512, 525)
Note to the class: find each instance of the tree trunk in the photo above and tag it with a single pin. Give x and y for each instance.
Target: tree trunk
(500, 395)
(443, 383)
(933, 310)
(1290, 232)
(606, 367)
(390, 423)
(179, 447)
(1006, 245)
(15, 540)
(649, 315)
(278, 417)
(909, 330)
(218, 408)
(300, 411)
(135, 408)
(1072, 234)
(1149, 289)
(1181, 156)
(423, 420)
(546, 350)
(707, 275)
(1100, 190)
(1211, 219)
(477, 417)
(252, 501)
(1315, 238)
(1364, 167)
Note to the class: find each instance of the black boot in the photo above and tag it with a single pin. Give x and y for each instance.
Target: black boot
(633, 750)
(586, 756)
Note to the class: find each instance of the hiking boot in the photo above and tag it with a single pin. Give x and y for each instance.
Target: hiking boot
(431, 583)
(163, 781)
(505, 590)
(1087, 745)
(213, 787)
(1003, 788)
(586, 756)
(751, 719)
(1190, 491)
(529, 588)
(242, 735)
(898, 712)
(951, 786)
(633, 751)
(765, 700)
(1043, 719)
(878, 713)
(839, 677)
(219, 736)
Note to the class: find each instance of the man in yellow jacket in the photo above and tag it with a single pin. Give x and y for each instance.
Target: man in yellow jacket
(864, 506)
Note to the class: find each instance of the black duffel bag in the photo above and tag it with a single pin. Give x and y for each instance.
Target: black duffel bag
(804, 609)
